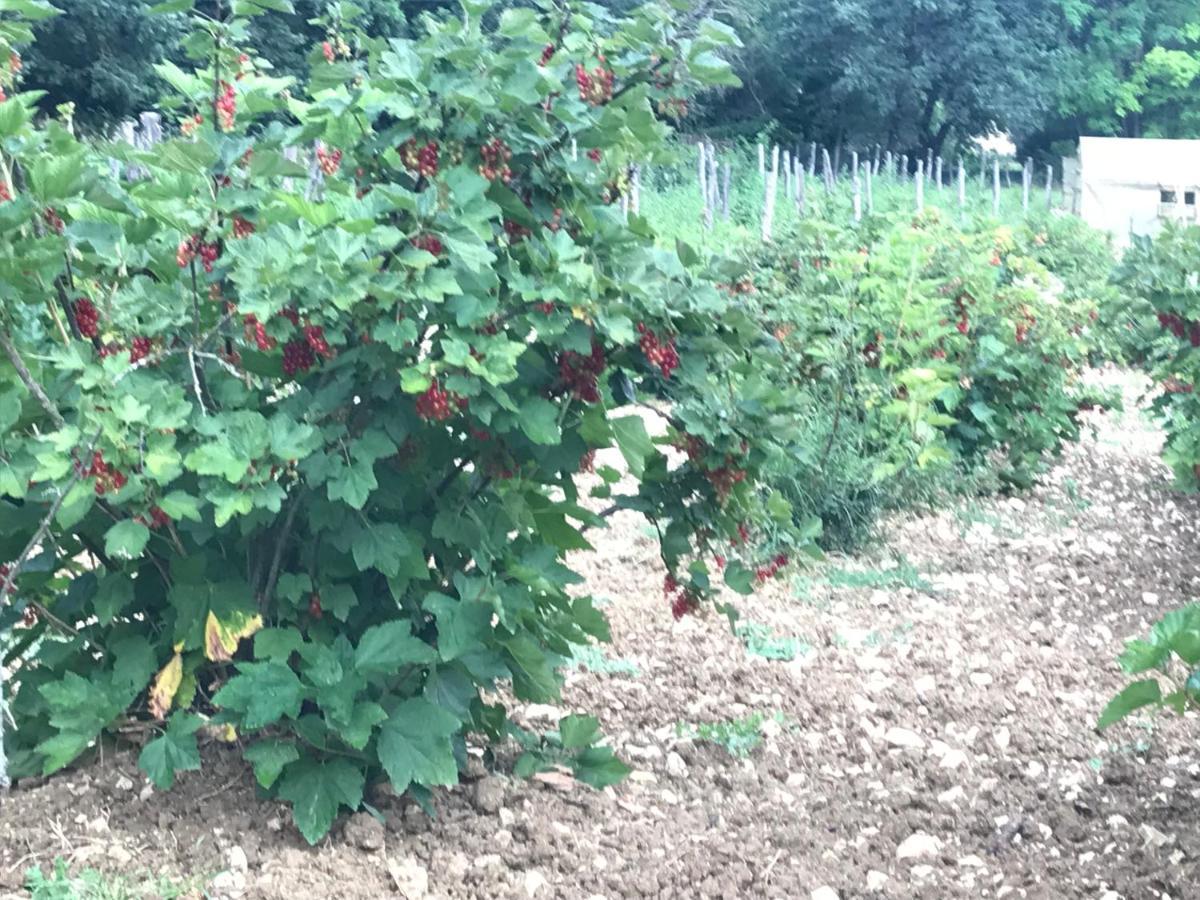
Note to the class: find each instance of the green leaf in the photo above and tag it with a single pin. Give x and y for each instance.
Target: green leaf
(357, 731)
(634, 443)
(277, 644)
(317, 790)
(263, 692)
(539, 421)
(385, 648)
(353, 483)
(381, 546)
(578, 731)
(126, 539)
(269, 757)
(739, 578)
(532, 676)
(174, 751)
(599, 767)
(415, 747)
(1134, 697)
(112, 596)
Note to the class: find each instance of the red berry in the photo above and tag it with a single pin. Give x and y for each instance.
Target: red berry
(87, 317)
(297, 357)
(327, 49)
(139, 349)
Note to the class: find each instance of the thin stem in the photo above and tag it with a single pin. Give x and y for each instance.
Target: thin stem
(27, 379)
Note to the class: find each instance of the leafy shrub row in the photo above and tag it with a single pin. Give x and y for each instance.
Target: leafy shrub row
(296, 456)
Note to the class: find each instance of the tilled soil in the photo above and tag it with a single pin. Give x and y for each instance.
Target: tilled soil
(933, 736)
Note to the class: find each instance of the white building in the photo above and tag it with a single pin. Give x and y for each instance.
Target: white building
(1132, 185)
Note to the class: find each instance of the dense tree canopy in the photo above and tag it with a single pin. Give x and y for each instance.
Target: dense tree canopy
(908, 74)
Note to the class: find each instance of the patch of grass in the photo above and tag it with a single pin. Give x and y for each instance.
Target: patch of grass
(903, 574)
(759, 640)
(596, 661)
(975, 513)
(91, 884)
(737, 737)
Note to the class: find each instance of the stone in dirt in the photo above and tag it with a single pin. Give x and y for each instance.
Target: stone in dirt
(365, 832)
(411, 878)
(489, 795)
(534, 882)
(824, 892)
(903, 737)
(918, 845)
(876, 880)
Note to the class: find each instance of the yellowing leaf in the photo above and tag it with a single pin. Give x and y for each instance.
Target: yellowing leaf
(580, 313)
(166, 685)
(221, 638)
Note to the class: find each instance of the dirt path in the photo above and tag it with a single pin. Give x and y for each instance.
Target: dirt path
(932, 736)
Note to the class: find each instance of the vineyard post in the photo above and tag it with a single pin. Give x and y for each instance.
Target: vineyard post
(887, 164)
(787, 173)
(714, 187)
(837, 159)
(1026, 183)
(574, 149)
(812, 159)
(929, 163)
(940, 185)
(920, 179)
(705, 215)
(291, 154)
(827, 169)
(855, 187)
(904, 167)
(1049, 186)
(996, 185)
(726, 173)
(871, 187)
(800, 185)
(769, 197)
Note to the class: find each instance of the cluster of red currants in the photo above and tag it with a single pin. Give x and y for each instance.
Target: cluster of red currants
(87, 317)
(226, 106)
(581, 374)
(496, 155)
(242, 228)
(429, 243)
(683, 599)
(660, 354)
(547, 54)
(139, 349)
(516, 231)
(724, 478)
(257, 332)
(960, 306)
(5, 192)
(329, 160)
(771, 569)
(433, 405)
(53, 220)
(1180, 327)
(191, 247)
(315, 335)
(298, 356)
(595, 87)
(422, 159)
(587, 462)
(108, 477)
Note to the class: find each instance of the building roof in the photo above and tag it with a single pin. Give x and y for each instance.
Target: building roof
(1140, 162)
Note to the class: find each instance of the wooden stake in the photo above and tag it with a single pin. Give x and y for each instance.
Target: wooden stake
(706, 214)
(827, 167)
(920, 178)
(855, 187)
(871, 170)
(800, 183)
(1026, 183)
(728, 172)
(772, 180)
(1049, 187)
(812, 159)
(996, 185)
(904, 166)
(939, 174)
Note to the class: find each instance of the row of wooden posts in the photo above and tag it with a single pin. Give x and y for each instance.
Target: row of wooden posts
(863, 173)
